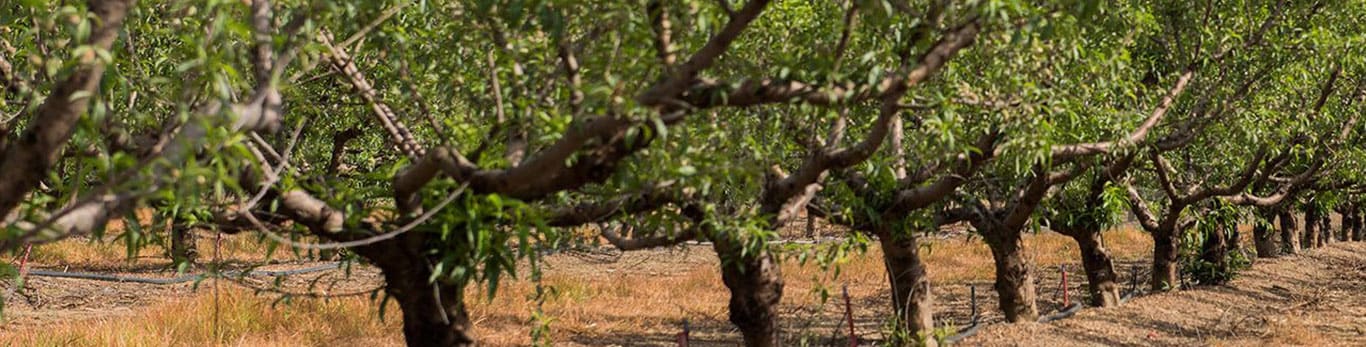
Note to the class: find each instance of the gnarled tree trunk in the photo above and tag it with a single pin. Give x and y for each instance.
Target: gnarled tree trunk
(434, 314)
(1263, 238)
(1344, 226)
(1358, 231)
(1214, 252)
(1311, 224)
(1102, 284)
(1290, 237)
(1166, 274)
(756, 286)
(183, 244)
(1014, 284)
(911, 299)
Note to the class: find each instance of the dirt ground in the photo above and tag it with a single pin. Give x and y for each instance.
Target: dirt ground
(643, 299)
(48, 300)
(1313, 299)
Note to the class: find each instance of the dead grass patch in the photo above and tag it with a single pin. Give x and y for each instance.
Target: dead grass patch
(243, 319)
(585, 301)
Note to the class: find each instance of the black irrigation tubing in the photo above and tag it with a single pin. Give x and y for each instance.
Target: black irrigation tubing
(175, 280)
(976, 320)
(971, 330)
(1070, 311)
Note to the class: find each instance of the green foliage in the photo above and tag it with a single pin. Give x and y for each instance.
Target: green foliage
(1221, 221)
(472, 75)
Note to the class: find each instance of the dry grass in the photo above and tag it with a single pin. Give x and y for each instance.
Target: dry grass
(639, 303)
(244, 319)
(111, 254)
(961, 260)
(1293, 331)
(582, 301)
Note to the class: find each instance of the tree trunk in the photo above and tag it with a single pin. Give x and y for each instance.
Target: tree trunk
(1263, 238)
(183, 244)
(1311, 223)
(911, 299)
(1290, 237)
(1358, 232)
(1014, 284)
(1325, 235)
(756, 286)
(1344, 227)
(1166, 275)
(1214, 251)
(433, 313)
(1101, 281)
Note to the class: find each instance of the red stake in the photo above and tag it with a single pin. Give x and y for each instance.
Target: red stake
(683, 336)
(23, 261)
(1065, 301)
(849, 316)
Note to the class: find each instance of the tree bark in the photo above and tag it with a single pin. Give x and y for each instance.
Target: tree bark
(27, 159)
(1326, 229)
(1215, 252)
(1102, 284)
(1290, 236)
(756, 286)
(1014, 283)
(1311, 223)
(434, 313)
(1348, 224)
(1358, 232)
(1166, 275)
(183, 244)
(1263, 238)
(1344, 226)
(911, 299)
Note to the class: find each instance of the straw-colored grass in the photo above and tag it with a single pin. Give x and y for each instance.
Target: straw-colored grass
(598, 305)
(243, 319)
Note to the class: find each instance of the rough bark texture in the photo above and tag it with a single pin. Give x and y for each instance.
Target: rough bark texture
(1290, 236)
(1358, 230)
(1014, 283)
(1311, 234)
(1325, 228)
(183, 244)
(1215, 253)
(1101, 281)
(910, 281)
(1344, 226)
(756, 286)
(27, 160)
(1166, 275)
(433, 313)
(1263, 237)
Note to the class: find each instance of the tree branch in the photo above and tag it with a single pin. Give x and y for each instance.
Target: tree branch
(26, 161)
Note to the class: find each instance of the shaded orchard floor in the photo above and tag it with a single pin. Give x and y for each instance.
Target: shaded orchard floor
(592, 299)
(1317, 298)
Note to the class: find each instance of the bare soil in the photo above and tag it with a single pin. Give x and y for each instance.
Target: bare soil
(47, 300)
(1317, 298)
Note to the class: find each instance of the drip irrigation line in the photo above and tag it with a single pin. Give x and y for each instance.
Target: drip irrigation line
(1070, 311)
(178, 279)
(971, 330)
(963, 334)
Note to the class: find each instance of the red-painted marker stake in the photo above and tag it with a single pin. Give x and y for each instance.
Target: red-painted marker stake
(23, 261)
(683, 336)
(1065, 301)
(849, 316)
